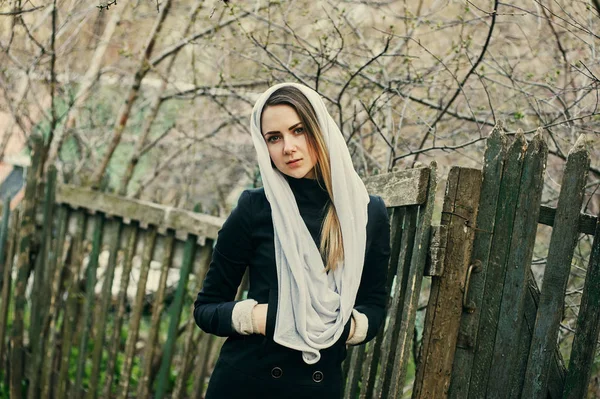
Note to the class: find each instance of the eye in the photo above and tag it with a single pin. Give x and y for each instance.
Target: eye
(299, 130)
(272, 139)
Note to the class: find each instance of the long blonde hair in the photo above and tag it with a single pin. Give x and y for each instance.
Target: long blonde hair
(332, 245)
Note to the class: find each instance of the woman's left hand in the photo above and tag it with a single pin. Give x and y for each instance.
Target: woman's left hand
(259, 318)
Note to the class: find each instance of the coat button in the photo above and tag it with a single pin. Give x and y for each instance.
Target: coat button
(276, 372)
(317, 376)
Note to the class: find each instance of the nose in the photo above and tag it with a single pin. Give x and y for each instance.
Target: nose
(289, 146)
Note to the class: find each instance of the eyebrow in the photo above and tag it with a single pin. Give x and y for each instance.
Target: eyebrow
(276, 131)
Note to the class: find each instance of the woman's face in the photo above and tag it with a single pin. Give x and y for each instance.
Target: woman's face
(286, 138)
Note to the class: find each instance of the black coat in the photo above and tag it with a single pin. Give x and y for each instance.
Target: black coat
(254, 365)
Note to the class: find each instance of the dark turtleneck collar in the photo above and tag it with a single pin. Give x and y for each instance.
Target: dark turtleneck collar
(308, 191)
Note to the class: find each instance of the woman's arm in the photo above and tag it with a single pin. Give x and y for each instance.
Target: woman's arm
(215, 303)
(369, 308)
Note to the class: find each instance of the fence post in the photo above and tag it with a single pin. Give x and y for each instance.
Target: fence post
(42, 281)
(5, 271)
(445, 306)
(26, 237)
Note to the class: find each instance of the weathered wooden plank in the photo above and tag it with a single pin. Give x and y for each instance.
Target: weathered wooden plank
(186, 267)
(207, 342)
(412, 288)
(197, 224)
(496, 267)
(157, 309)
(5, 272)
(562, 245)
(403, 188)
(437, 251)
(587, 223)
(131, 234)
(147, 213)
(390, 341)
(203, 342)
(445, 305)
(518, 263)
(392, 190)
(588, 325)
(89, 301)
(50, 329)
(102, 311)
(72, 289)
(557, 370)
(356, 357)
(4, 237)
(495, 154)
(377, 350)
(5, 296)
(24, 267)
(369, 366)
(185, 361)
(41, 285)
(134, 325)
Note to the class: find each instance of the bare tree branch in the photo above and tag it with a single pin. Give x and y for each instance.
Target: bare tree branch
(123, 117)
(462, 83)
(154, 108)
(596, 4)
(21, 12)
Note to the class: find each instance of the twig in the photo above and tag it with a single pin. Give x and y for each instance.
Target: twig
(20, 12)
(106, 5)
(460, 86)
(596, 4)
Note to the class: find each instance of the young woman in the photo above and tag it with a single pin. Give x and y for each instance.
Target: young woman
(317, 247)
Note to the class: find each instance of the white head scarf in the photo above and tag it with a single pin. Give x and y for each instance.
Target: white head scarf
(313, 306)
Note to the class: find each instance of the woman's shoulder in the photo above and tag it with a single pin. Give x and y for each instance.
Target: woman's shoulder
(254, 198)
(376, 205)
(254, 194)
(377, 214)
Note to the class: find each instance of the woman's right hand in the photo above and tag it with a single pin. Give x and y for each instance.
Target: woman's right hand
(259, 318)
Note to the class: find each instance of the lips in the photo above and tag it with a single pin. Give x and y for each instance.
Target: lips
(293, 161)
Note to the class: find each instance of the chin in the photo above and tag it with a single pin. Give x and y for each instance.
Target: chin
(297, 174)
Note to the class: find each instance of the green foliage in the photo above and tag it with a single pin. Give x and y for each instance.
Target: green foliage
(4, 388)
(98, 116)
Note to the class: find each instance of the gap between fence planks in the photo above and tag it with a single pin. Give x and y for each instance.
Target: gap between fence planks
(26, 237)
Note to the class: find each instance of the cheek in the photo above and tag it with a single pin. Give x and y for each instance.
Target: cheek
(273, 154)
(312, 153)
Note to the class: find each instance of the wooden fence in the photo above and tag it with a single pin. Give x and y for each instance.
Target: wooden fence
(66, 339)
(489, 331)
